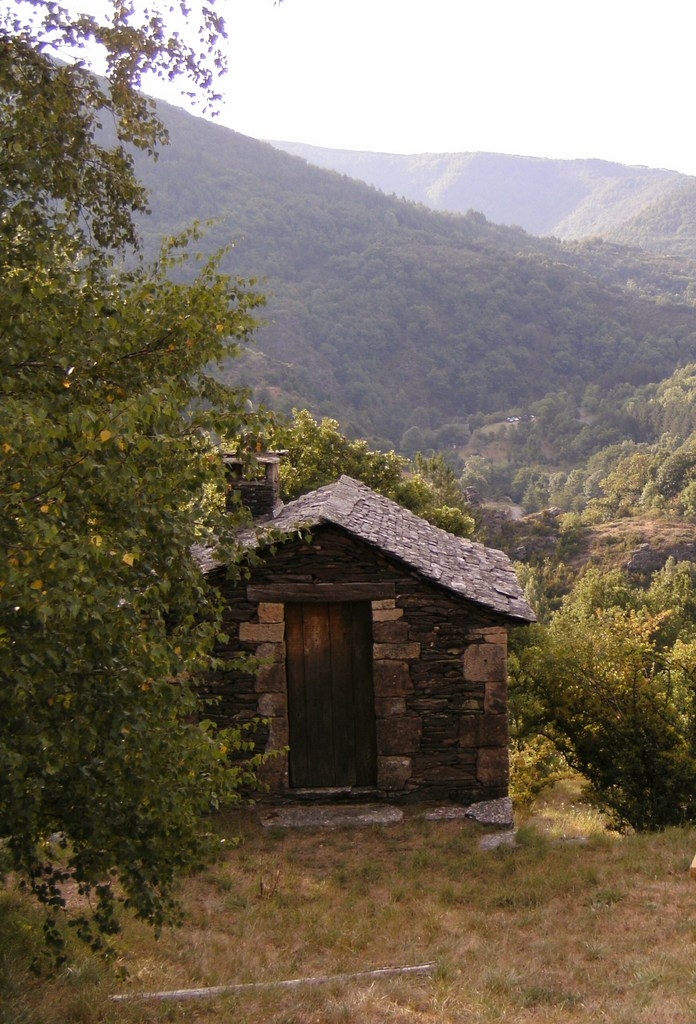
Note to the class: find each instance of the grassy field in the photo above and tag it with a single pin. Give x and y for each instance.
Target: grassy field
(570, 924)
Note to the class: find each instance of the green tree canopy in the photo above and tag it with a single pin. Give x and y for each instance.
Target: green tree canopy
(107, 409)
(67, 138)
(611, 682)
(318, 453)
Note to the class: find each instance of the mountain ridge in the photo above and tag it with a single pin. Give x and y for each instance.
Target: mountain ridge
(568, 199)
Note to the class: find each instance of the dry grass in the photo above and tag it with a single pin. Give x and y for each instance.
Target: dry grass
(492, 441)
(552, 930)
(610, 545)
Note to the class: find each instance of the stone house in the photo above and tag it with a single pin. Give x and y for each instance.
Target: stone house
(383, 648)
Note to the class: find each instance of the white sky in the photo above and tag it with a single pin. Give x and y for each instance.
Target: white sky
(612, 79)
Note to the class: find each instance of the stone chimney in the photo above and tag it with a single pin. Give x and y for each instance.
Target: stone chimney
(261, 494)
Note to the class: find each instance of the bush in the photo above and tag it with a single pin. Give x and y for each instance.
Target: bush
(620, 709)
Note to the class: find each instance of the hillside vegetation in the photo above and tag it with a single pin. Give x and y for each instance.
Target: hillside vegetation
(565, 198)
(390, 316)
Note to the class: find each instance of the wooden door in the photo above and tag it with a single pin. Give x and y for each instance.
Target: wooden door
(330, 694)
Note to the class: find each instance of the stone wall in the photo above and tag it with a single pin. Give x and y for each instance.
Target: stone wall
(440, 677)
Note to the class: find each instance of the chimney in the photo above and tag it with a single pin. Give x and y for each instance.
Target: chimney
(260, 494)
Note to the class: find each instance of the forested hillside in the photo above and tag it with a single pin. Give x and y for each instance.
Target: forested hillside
(390, 316)
(563, 198)
(667, 226)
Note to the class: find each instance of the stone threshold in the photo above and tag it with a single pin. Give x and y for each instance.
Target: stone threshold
(496, 813)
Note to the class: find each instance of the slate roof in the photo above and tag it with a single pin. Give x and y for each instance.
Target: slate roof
(477, 573)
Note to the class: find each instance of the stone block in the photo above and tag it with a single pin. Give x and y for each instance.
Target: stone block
(271, 678)
(496, 698)
(388, 707)
(278, 734)
(400, 735)
(261, 632)
(495, 730)
(386, 614)
(470, 729)
(273, 705)
(396, 652)
(447, 775)
(393, 772)
(274, 773)
(271, 652)
(271, 612)
(384, 605)
(492, 812)
(489, 634)
(429, 705)
(485, 661)
(493, 767)
(394, 631)
(391, 678)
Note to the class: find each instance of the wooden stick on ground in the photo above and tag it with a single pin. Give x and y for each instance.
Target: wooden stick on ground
(217, 990)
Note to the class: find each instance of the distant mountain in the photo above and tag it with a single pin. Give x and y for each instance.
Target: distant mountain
(563, 198)
(665, 226)
(390, 316)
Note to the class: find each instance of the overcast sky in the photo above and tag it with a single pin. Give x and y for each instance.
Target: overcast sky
(612, 79)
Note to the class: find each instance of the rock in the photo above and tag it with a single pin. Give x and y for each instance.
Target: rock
(486, 812)
(495, 840)
(647, 559)
(331, 816)
(492, 812)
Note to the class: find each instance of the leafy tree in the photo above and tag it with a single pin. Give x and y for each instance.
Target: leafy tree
(601, 589)
(544, 584)
(618, 703)
(432, 491)
(676, 472)
(57, 163)
(318, 453)
(106, 463)
(477, 473)
(672, 595)
(624, 486)
(687, 501)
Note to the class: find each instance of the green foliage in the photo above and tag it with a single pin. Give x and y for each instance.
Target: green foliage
(599, 589)
(318, 453)
(433, 492)
(676, 472)
(624, 487)
(672, 596)
(612, 683)
(535, 764)
(535, 760)
(107, 406)
(544, 584)
(628, 451)
(56, 158)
